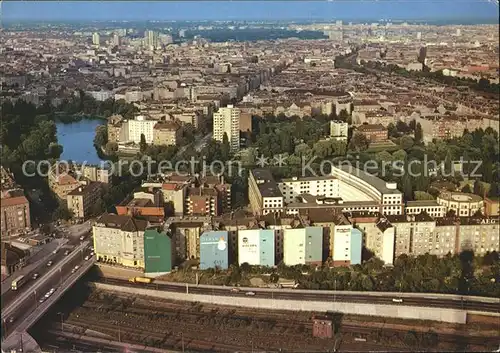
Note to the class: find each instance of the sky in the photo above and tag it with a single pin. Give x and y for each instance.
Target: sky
(248, 10)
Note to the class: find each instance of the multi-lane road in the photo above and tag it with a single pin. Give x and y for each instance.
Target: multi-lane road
(18, 305)
(427, 300)
(8, 295)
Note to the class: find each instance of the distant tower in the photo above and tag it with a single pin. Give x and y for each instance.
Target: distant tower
(419, 35)
(96, 39)
(459, 32)
(116, 40)
(182, 33)
(151, 38)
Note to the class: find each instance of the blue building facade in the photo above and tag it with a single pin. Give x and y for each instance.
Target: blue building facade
(356, 246)
(214, 251)
(267, 247)
(313, 245)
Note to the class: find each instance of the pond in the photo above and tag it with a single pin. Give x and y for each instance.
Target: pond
(77, 140)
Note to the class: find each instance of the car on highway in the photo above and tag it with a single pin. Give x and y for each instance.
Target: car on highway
(47, 295)
(397, 300)
(75, 269)
(66, 253)
(91, 248)
(11, 319)
(251, 294)
(87, 257)
(91, 253)
(35, 275)
(49, 263)
(41, 300)
(82, 237)
(55, 251)
(52, 290)
(235, 290)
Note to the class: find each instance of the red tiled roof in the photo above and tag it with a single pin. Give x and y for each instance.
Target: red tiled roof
(14, 201)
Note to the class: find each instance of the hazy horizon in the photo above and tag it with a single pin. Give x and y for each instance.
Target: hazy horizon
(353, 10)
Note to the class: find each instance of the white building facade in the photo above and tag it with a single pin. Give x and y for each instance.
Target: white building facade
(227, 121)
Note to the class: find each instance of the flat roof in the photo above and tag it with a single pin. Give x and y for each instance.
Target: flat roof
(321, 177)
(374, 181)
(266, 183)
(422, 203)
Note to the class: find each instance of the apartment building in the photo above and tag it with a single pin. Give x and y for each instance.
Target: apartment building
(256, 247)
(94, 173)
(378, 234)
(339, 130)
(202, 201)
(303, 246)
(174, 194)
(346, 243)
(214, 251)
(63, 183)
(463, 204)
(373, 132)
(120, 239)
(186, 232)
(141, 126)
(145, 205)
(357, 186)
(117, 129)
(479, 234)
(227, 121)
(223, 190)
(491, 207)
(166, 134)
(414, 235)
(263, 192)
(81, 199)
(327, 186)
(431, 207)
(15, 213)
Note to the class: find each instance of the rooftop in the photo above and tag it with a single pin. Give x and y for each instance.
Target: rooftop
(125, 223)
(266, 183)
(374, 181)
(459, 197)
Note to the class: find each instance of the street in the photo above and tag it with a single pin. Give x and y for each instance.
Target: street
(38, 263)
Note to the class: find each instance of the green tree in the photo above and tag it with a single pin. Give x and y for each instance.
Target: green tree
(359, 142)
(406, 142)
(111, 148)
(478, 188)
(101, 136)
(274, 278)
(143, 145)
(407, 187)
(62, 212)
(98, 208)
(422, 195)
(399, 155)
(419, 134)
(467, 189)
(494, 191)
(225, 148)
(392, 130)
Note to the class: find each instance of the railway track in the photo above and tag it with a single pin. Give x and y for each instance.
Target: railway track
(426, 301)
(97, 309)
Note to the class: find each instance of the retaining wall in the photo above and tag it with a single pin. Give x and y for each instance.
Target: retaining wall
(394, 311)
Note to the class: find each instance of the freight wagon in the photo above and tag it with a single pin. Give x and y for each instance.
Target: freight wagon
(140, 280)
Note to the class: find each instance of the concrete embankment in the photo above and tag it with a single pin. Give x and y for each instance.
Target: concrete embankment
(393, 311)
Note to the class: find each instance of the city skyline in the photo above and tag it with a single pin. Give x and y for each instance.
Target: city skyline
(464, 10)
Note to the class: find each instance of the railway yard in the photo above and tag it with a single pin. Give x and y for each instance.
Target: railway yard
(87, 319)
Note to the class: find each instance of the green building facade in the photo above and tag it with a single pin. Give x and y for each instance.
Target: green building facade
(157, 252)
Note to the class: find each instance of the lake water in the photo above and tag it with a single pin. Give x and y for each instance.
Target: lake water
(77, 140)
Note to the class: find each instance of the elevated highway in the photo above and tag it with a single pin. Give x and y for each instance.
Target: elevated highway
(28, 307)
